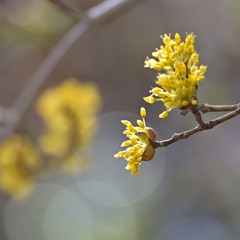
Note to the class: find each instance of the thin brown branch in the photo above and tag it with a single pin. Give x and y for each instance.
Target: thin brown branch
(224, 118)
(204, 108)
(195, 111)
(207, 125)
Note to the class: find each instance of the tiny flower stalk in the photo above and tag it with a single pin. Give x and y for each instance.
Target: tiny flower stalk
(139, 147)
(179, 73)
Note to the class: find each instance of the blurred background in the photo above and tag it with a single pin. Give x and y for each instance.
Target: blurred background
(190, 190)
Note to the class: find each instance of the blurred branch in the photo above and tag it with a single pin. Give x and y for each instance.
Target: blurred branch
(69, 9)
(200, 127)
(97, 15)
(6, 116)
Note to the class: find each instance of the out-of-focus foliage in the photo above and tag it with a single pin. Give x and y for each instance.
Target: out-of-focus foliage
(19, 161)
(69, 112)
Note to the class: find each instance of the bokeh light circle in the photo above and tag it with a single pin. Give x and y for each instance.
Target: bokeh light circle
(67, 216)
(23, 219)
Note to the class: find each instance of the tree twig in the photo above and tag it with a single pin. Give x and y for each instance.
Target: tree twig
(204, 108)
(195, 111)
(207, 125)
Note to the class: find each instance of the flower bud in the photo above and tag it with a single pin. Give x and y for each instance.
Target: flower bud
(177, 38)
(143, 112)
(148, 153)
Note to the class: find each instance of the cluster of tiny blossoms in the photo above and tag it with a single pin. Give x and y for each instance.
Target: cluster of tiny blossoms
(138, 146)
(69, 111)
(181, 73)
(19, 161)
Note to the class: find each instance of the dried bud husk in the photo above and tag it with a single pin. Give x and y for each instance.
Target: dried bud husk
(151, 133)
(148, 153)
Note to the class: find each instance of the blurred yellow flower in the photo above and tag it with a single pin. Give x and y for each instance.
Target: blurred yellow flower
(69, 112)
(19, 161)
(178, 85)
(137, 144)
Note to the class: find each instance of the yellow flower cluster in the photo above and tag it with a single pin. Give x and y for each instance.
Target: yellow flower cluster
(69, 111)
(18, 162)
(138, 146)
(178, 85)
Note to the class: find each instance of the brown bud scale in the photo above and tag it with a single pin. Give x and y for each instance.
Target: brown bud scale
(151, 133)
(148, 153)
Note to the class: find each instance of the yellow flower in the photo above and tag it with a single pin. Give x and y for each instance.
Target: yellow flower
(19, 161)
(180, 62)
(69, 112)
(137, 144)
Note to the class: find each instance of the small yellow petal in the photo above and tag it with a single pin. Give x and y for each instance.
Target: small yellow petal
(126, 122)
(194, 102)
(140, 123)
(135, 170)
(119, 154)
(195, 58)
(127, 132)
(177, 38)
(126, 143)
(203, 69)
(164, 114)
(143, 112)
(134, 139)
(133, 167)
(149, 99)
(184, 103)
